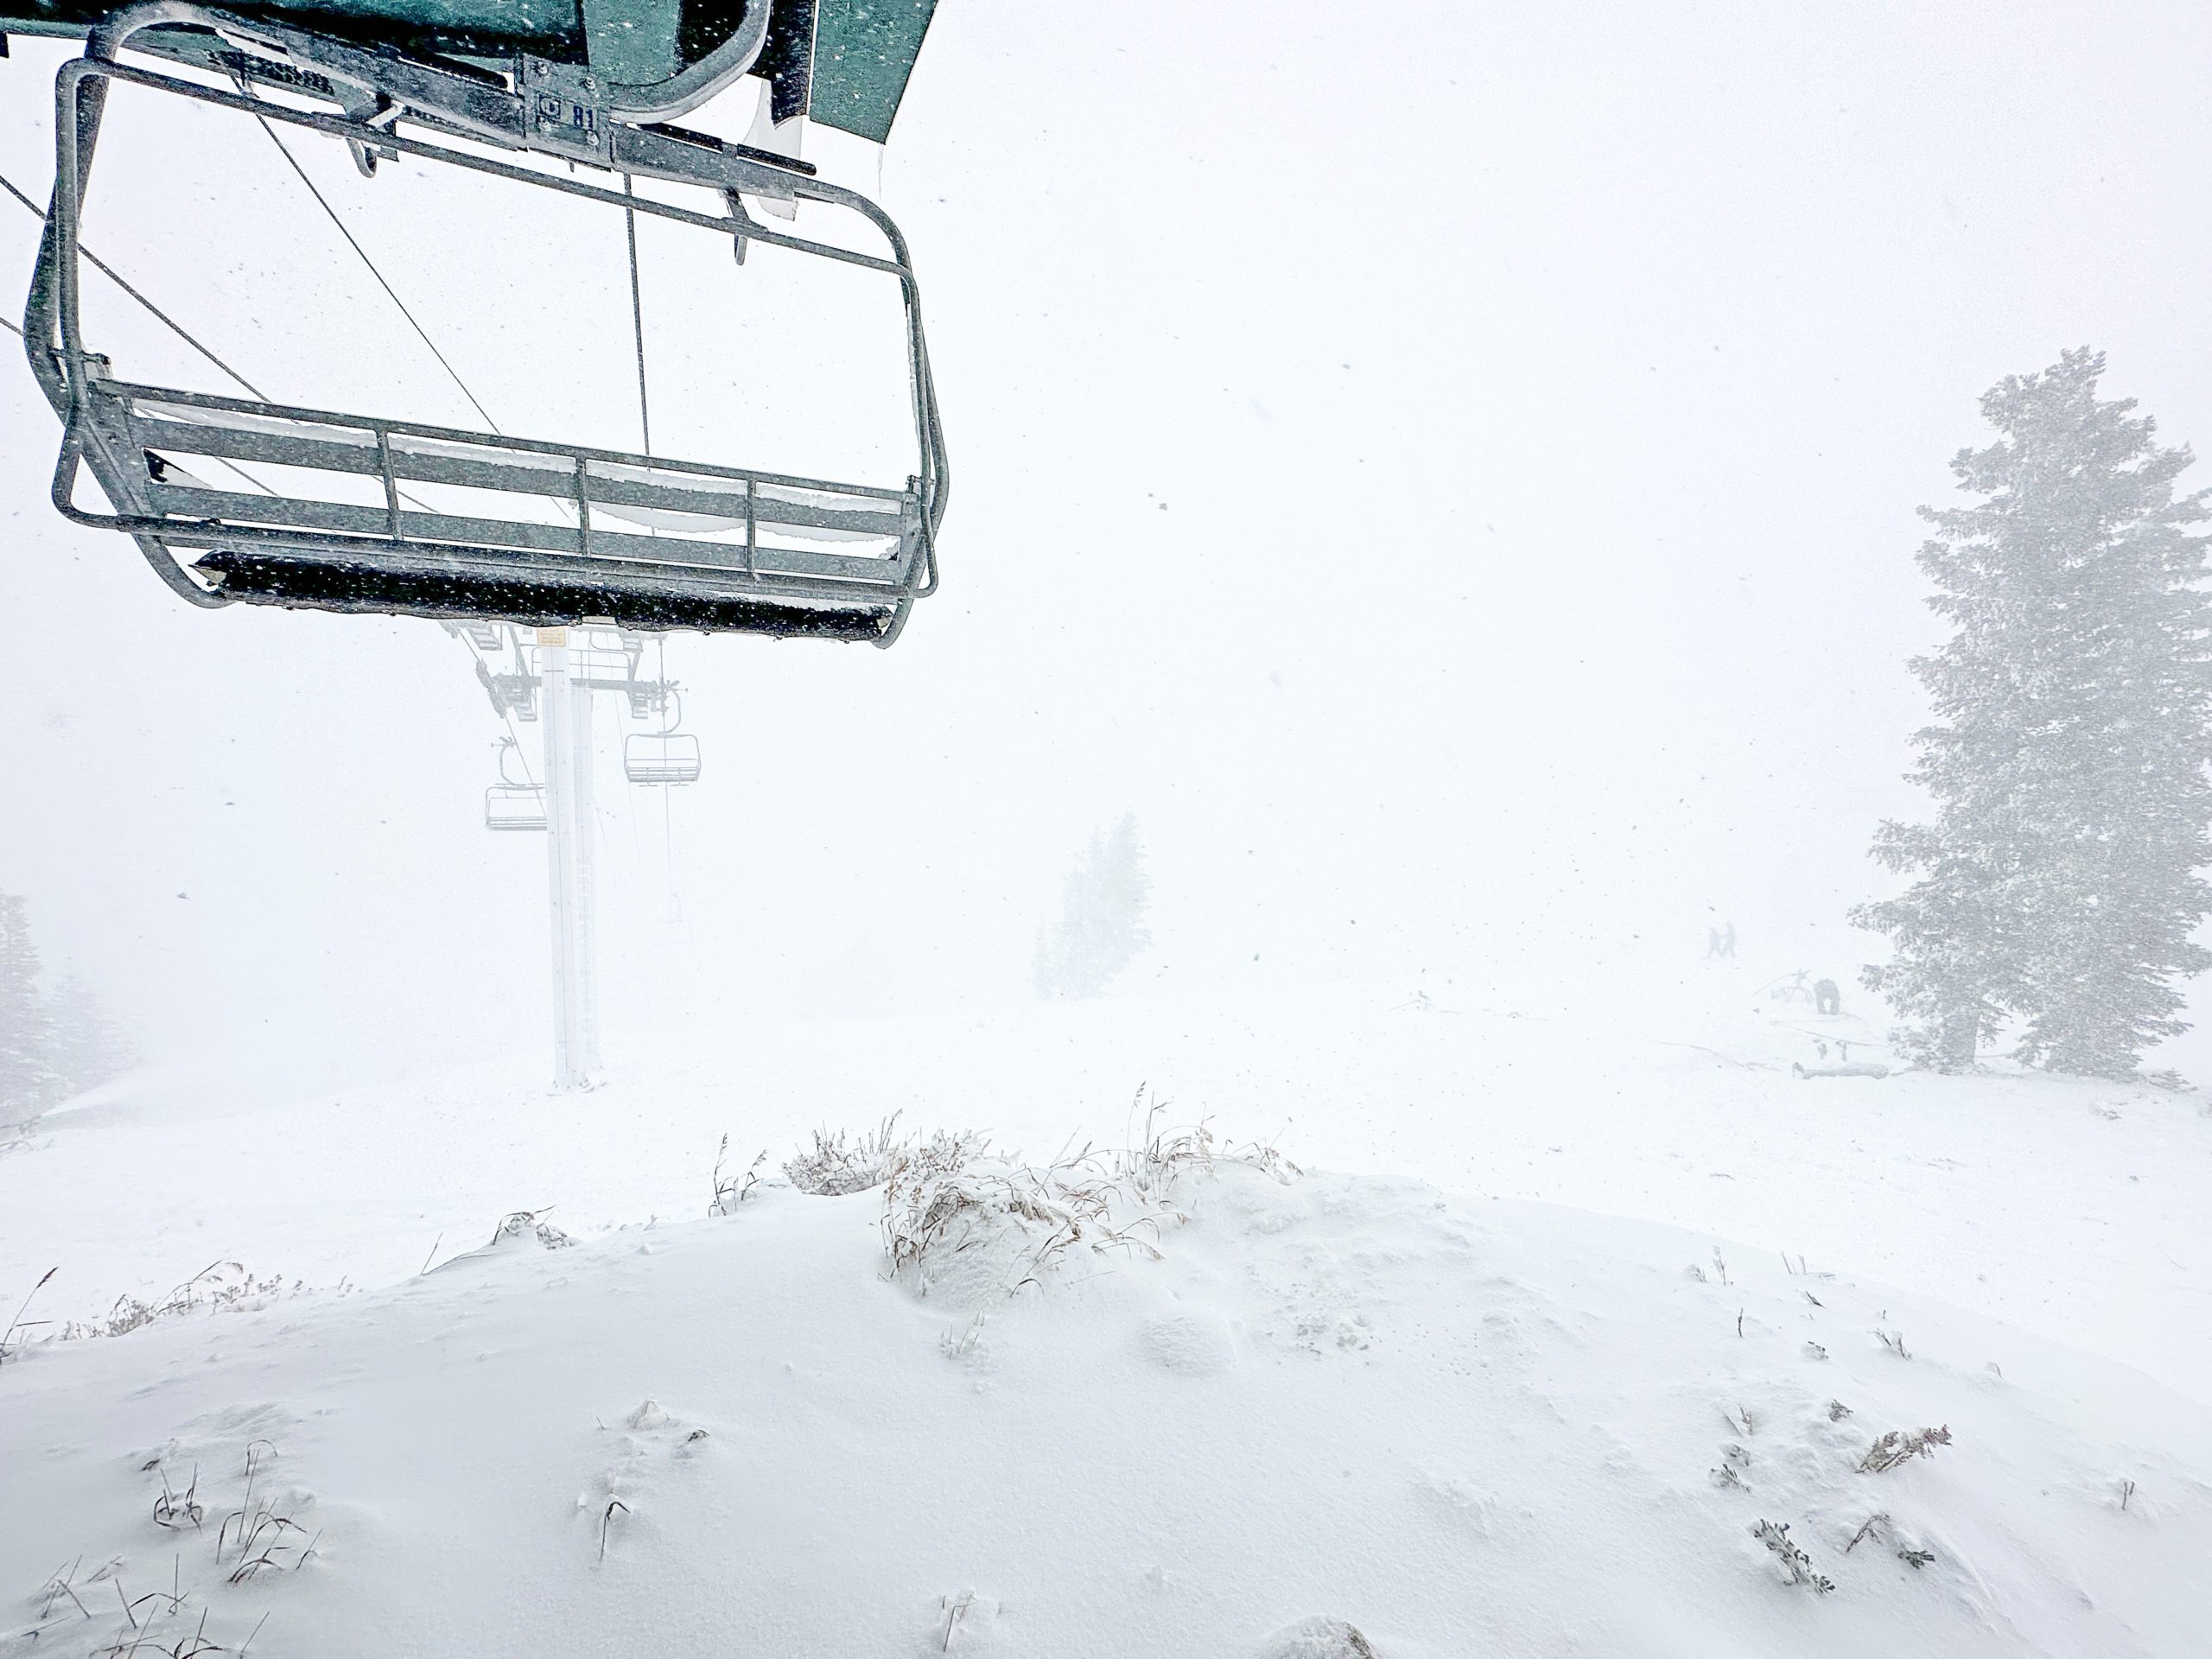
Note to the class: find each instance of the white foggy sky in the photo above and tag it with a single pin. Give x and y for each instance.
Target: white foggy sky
(1540, 397)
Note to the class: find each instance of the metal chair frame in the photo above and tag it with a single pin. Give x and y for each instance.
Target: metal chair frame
(504, 807)
(671, 766)
(502, 799)
(642, 763)
(298, 552)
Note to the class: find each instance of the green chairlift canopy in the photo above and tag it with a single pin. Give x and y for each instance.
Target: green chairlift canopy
(844, 63)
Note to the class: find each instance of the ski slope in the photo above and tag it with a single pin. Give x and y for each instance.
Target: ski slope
(1479, 1414)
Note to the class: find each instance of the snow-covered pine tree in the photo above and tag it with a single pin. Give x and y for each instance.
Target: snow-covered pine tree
(1100, 928)
(26, 1079)
(2058, 884)
(87, 1045)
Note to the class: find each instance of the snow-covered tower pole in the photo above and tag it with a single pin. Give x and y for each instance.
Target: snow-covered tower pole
(583, 832)
(572, 1042)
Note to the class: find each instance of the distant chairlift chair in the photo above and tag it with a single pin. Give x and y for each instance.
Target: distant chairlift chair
(509, 805)
(661, 758)
(668, 756)
(514, 806)
(591, 89)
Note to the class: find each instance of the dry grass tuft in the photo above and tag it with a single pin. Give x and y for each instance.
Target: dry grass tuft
(220, 1286)
(948, 1196)
(732, 1190)
(833, 1167)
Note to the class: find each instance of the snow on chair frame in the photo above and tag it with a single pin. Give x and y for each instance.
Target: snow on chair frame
(751, 551)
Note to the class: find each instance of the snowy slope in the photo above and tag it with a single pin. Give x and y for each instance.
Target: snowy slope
(1466, 1427)
(2071, 1209)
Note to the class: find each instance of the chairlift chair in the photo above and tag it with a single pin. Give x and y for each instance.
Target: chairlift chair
(661, 757)
(468, 84)
(667, 756)
(514, 806)
(510, 805)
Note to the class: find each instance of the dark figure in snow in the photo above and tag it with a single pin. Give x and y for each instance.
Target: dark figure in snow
(1711, 942)
(1728, 939)
(1825, 998)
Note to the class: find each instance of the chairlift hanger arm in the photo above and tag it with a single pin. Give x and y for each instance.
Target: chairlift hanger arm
(551, 109)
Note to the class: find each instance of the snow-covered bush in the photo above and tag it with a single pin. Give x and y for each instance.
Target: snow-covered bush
(517, 1231)
(1796, 1565)
(1318, 1638)
(834, 1167)
(953, 1211)
(1902, 1446)
(950, 1208)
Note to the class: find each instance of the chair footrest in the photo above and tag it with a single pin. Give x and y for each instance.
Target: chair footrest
(324, 584)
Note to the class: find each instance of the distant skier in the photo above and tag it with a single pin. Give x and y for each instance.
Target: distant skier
(1825, 998)
(1728, 939)
(1711, 942)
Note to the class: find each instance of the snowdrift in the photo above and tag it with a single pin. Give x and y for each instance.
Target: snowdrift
(1460, 1426)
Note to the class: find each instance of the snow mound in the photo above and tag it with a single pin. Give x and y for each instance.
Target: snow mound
(1462, 1426)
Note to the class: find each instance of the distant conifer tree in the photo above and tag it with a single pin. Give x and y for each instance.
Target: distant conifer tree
(27, 1075)
(1100, 928)
(2058, 886)
(87, 1045)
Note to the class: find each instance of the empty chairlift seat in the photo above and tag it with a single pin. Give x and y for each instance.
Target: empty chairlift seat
(514, 806)
(649, 544)
(661, 758)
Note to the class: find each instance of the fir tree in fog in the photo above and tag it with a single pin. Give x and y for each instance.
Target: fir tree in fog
(87, 1043)
(1100, 927)
(2056, 887)
(27, 1078)
(52, 1043)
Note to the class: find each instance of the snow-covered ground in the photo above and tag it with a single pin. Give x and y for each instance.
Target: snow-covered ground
(1480, 1412)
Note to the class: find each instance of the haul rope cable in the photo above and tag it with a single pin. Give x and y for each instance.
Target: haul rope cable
(158, 314)
(637, 304)
(175, 327)
(322, 203)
